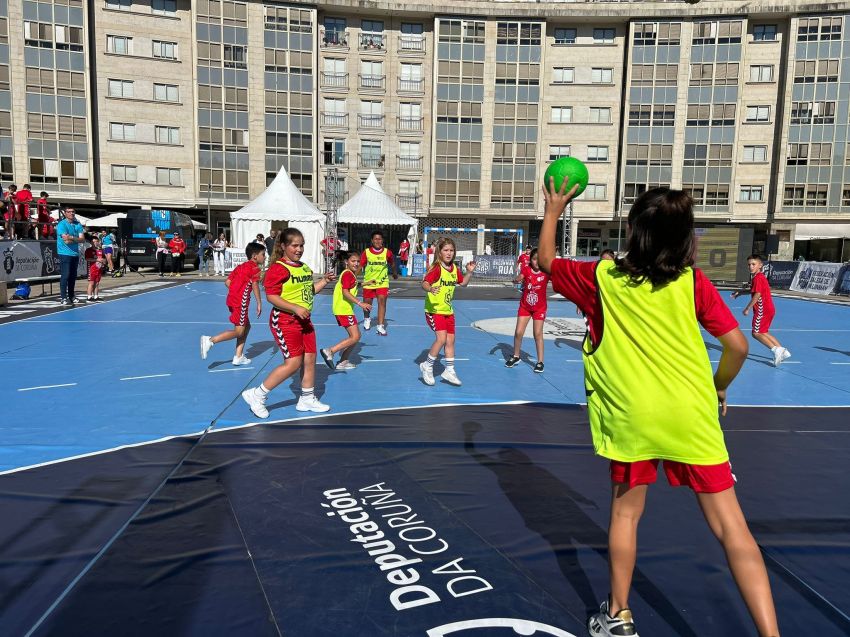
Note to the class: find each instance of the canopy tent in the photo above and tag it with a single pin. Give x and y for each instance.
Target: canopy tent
(281, 201)
(83, 220)
(109, 221)
(372, 206)
(198, 225)
(809, 231)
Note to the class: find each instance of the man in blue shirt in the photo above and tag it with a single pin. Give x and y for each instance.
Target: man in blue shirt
(69, 236)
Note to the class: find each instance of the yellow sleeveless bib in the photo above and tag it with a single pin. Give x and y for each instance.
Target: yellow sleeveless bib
(298, 288)
(342, 306)
(376, 269)
(441, 302)
(649, 383)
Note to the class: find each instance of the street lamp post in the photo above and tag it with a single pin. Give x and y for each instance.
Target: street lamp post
(620, 226)
(209, 217)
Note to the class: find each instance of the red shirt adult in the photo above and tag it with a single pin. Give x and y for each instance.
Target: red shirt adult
(576, 281)
(404, 251)
(242, 281)
(177, 245)
(761, 286)
(23, 198)
(534, 285)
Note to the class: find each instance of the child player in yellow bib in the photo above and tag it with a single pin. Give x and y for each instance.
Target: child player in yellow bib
(344, 300)
(651, 395)
(377, 261)
(290, 290)
(440, 283)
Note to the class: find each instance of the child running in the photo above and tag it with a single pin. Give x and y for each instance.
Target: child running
(532, 306)
(377, 260)
(440, 283)
(650, 391)
(762, 304)
(344, 300)
(244, 279)
(290, 289)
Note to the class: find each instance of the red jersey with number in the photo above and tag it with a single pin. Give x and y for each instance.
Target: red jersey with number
(242, 280)
(534, 284)
(760, 285)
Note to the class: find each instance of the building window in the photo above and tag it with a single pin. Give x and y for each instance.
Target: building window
(164, 7)
(167, 134)
(764, 32)
(600, 115)
(119, 44)
(755, 154)
(565, 36)
(562, 114)
(166, 92)
(761, 73)
(603, 36)
(596, 192)
(235, 57)
(165, 50)
(120, 88)
(751, 193)
(38, 35)
(168, 177)
(794, 195)
(563, 75)
(597, 153)
(124, 173)
(602, 76)
(817, 194)
(558, 151)
(119, 5)
(122, 132)
(758, 113)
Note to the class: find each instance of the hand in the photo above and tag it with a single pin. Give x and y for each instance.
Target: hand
(557, 200)
(370, 282)
(366, 307)
(259, 310)
(470, 266)
(329, 276)
(302, 312)
(746, 311)
(721, 399)
(434, 289)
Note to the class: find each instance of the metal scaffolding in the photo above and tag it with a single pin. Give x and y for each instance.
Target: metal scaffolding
(332, 195)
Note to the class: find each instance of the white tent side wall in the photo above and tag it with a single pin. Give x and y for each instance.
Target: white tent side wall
(244, 231)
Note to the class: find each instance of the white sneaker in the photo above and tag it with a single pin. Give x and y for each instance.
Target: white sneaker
(785, 354)
(367, 323)
(256, 402)
(427, 373)
(343, 365)
(240, 360)
(603, 625)
(450, 376)
(311, 403)
(382, 330)
(206, 344)
(777, 357)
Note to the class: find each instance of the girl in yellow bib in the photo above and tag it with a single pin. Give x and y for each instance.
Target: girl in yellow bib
(290, 290)
(440, 283)
(651, 394)
(344, 300)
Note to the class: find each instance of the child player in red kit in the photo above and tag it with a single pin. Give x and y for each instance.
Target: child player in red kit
(244, 280)
(96, 265)
(532, 306)
(763, 311)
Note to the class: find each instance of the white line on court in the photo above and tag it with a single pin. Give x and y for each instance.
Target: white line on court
(141, 377)
(229, 369)
(47, 386)
(380, 360)
(839, 363)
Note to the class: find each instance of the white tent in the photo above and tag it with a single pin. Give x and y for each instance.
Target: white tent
(80, 218)
(109, 221)
(281, 201)
(372, 206)
(198, 225)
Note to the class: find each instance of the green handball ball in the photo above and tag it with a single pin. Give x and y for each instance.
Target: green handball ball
(568, 167)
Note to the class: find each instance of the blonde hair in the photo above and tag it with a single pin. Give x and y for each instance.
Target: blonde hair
(442, 242)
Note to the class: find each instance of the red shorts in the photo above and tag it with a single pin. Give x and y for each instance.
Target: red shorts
(294, 336)
(535, 314)
(95, 273)
(441, 322)
(345, 320)
(239, 314)
(712, 478)
(371, 294)
(762, 320)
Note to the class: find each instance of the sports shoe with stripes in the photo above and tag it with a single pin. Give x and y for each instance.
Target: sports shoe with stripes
(256, 402)
(603, 625)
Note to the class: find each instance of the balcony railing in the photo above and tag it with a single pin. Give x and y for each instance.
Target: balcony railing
(411, 86)
(370, 161)
(373, 42)
(334, 38)
(411, 43)
(333, 158)
(410, 124)
(337, 120)
(333, 80)
(409, 202)
(373, 82)
(370, 121)
(407, 162)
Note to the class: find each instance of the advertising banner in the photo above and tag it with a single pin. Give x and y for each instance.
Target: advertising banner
(780, 274)
(21, 260)
(843, 286)
(232, 258)
(495, 266)
(417, 264)
(816, 277)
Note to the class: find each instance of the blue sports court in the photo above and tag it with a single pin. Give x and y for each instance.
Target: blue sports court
(141, 496)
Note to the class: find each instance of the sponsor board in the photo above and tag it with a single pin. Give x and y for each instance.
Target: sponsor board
(815, 277)
(496, 266)
(780, 274)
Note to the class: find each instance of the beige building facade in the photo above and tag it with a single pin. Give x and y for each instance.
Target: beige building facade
(195, 105)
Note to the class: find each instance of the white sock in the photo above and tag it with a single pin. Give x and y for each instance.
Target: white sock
(306, 392)
(430, 361)
(263, 391)
(450, 363)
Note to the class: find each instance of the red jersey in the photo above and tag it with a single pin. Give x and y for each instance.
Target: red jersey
(348, 280)
(92, 254)
(534, 286)
(760, 285)
(576, 281)
(177, 245)
(23, 198)
(276, 276)
(433, 275)
(242, 280)
(524, 260)
(43, 212)
(403, 250)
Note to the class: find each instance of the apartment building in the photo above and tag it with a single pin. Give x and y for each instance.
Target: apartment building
(194, 106)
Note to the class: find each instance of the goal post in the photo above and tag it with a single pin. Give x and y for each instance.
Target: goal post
(494, 263)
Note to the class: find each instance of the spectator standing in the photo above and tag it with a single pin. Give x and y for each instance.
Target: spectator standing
(69, 236)
(219, 247)
(404, 253)
(45, 223)
(23, 200)
(161, 252)
(270, 244)
(108, 242)
(206, 253)
(177, 247)
(10, 210)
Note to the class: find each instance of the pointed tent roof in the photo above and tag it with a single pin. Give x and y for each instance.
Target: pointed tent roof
(371, 205)
(281, 201)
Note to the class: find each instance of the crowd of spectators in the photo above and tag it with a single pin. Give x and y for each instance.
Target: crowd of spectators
(23, 216)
